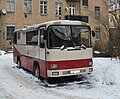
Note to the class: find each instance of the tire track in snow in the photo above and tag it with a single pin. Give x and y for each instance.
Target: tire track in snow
(31, 84)
(20, 85)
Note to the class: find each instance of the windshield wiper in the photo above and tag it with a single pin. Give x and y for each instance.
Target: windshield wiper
(70, 48)
(62, 47)
(83, 46)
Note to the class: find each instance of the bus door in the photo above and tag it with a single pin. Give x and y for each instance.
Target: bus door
(42, 53)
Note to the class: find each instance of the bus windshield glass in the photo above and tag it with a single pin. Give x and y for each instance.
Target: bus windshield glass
(68, 37)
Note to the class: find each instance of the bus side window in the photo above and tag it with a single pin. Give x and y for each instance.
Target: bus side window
(32, 38)
(42, 45)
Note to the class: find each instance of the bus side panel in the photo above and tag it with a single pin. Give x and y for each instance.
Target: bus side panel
(43, 71)
(15, 54)
(29, 64)
(23, 61)
(42, 62)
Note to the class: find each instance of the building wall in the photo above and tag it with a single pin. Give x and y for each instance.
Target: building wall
(1, 24)
(102, 23)
(19, 19)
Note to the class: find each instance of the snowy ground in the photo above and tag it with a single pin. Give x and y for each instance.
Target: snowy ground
(18, 84)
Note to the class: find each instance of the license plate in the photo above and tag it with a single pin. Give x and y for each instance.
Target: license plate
(75, 71)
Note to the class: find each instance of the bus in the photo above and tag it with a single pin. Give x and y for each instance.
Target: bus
(54, 49)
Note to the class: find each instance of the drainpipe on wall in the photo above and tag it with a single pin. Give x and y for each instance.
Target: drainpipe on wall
(3, 13)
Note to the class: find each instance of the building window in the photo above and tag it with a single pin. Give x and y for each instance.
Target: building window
(9, 32)
(27, 6)
(43, 7)
(119, 4)
(112, 1)
(71, 9)
(85, 2)
(110, 18)
(97, 12)
(10, 5)
(58, 8)
(97, 33)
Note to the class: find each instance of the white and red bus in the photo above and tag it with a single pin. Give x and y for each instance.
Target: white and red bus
(54, 49)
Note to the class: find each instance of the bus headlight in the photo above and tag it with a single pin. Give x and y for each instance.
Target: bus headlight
(55, 73)
(90, 63)
(53, 66)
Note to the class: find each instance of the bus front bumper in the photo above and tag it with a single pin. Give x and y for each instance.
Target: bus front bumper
(69, 72)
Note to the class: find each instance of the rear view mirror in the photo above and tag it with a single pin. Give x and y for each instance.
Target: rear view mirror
(45, 34)
(93, 33)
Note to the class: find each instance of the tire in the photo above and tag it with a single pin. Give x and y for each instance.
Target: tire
(19, 63)
(36, 71)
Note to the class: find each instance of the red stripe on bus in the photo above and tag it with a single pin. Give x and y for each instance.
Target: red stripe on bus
(69, 64)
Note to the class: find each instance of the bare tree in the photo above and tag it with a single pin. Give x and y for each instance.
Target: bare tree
(104, 23)
(115, 31)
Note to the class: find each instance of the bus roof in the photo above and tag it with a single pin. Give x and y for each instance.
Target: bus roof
(64, 22)
(54, 22)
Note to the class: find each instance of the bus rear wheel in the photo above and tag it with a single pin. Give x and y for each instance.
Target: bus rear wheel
(19, 63)
(36, 71)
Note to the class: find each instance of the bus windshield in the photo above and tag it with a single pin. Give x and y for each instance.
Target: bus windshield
(68, 37)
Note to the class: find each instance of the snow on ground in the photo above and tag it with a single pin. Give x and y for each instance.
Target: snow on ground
(2, 52)
(18, 84)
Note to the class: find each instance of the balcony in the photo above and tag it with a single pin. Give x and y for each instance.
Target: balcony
(77, 17)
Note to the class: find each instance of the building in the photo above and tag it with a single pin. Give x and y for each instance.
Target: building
(114, 8)
(19, 13)
(114, 22)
